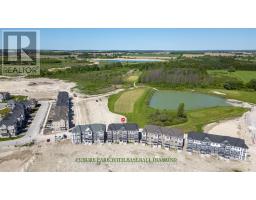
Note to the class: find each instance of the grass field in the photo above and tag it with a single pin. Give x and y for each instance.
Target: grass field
(242, 95)
(199, 118)
(141, 110)
(196, 119)
(125, 103)
(244, 76)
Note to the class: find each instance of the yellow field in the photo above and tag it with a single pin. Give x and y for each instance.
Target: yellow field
(126, 101)
(133, 78)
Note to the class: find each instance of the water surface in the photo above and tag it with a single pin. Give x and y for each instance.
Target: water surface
(129, 60)
(172, 99)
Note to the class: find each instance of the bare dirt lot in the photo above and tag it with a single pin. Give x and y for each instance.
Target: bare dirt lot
(62, 157)
(39, 88)
(94, 109)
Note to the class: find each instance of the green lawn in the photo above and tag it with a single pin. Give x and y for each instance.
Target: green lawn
(199, 118)
(125, 102)
(244, 76)
(242, 95)
(141, 111)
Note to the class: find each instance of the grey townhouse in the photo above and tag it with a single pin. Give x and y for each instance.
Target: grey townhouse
(89, 134)
(172, 138)
(123, 133)
(169, 138)
(15, 121)
(60, 119)
(8, 126)
(218, 145)
(150, 135)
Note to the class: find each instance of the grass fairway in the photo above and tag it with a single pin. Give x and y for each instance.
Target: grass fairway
(199, 118)
(141, 110)
(125, 102)
(244, 76)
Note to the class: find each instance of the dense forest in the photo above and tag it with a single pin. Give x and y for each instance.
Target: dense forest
(176, 76)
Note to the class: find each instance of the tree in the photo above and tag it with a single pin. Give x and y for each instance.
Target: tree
(181, 111)
(252, 84)
(231, 69)
(233, 85)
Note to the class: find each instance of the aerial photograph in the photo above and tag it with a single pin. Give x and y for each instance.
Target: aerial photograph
(128, 100)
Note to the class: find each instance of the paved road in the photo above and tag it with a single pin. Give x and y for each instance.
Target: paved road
(34, 128)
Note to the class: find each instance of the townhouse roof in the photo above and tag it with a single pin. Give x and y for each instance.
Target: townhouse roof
(123, 127)
(89, 127)
(18, 110)
(238, 142)
(5, 94)
(8, 120)
(175, 132)
(98, 127)
(30, 102)
(152, 129)
(62, 99)
(62, 107)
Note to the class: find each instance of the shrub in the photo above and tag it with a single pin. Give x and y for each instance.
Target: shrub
(252, 84)
(231, 69)
(233, 85)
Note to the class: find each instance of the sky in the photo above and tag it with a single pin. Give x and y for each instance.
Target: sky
(147, 39)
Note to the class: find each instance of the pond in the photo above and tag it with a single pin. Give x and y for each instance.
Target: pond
(129, 60)
(171, 100)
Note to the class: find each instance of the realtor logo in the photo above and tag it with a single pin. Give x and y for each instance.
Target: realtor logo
(20, 53)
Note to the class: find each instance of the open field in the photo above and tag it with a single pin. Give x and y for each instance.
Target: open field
(39, 88)
(241, 95)
(132, 76)
(125, 102)
(244, 76)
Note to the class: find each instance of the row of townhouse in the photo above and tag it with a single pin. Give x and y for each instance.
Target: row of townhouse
(128, 133)
(123, 133)
(97, 133)
(88, 134)
(61, 112)
(218, 145)
(169, 138)
(15, 121)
